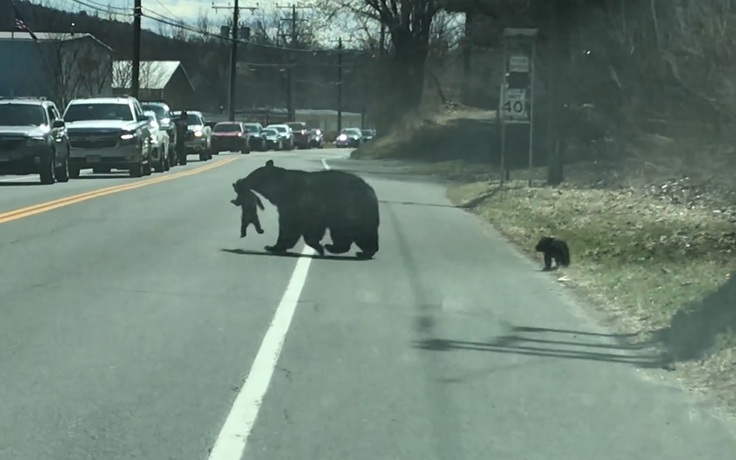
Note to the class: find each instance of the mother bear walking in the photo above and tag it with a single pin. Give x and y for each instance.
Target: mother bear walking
(310, 202)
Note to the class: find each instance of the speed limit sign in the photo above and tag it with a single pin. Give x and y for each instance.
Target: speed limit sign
(513, 104)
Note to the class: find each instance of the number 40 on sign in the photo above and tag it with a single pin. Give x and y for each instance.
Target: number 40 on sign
(513, 105)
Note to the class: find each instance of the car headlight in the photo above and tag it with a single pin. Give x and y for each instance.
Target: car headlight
(342, 137)
(127, 136)
(197, 133)
(37, 139)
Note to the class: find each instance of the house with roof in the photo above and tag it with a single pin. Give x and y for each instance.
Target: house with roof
(157, 81)
(57, 66)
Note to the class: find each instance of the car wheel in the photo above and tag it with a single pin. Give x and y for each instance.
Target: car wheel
(62, 173)
(48, 169)
(136, 170)
(147, 168)
(74, 172)
(159, 166)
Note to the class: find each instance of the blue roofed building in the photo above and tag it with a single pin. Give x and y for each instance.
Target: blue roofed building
(57, 66)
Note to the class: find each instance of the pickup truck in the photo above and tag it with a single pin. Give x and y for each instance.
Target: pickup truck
(108, 133)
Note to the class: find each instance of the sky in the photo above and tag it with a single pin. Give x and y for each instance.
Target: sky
(189, 10)
(185, 10)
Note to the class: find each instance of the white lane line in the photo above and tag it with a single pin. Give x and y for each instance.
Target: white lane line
(233, 437)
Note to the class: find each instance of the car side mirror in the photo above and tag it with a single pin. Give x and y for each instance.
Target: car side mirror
(57, 124)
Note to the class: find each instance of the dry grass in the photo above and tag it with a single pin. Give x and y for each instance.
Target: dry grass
(652, 241)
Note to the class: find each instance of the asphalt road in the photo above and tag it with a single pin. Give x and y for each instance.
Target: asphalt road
(130, 321)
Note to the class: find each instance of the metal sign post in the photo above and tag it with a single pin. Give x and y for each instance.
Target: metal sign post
(516, 105)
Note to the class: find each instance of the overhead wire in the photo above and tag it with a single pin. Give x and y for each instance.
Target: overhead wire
(159, 18)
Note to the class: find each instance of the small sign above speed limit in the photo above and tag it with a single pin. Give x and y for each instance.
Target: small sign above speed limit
(514, 104)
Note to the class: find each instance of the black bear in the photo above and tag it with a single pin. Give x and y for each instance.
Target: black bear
(249, 204)
(553, 249)
(310, 202)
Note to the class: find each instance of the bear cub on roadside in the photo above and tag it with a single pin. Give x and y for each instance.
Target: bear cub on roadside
(553, 249)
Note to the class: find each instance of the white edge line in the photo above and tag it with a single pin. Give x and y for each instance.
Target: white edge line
(233, 437)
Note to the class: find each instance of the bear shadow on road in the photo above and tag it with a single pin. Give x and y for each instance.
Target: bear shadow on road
(247, 252)
(614, 348)
(20, 184)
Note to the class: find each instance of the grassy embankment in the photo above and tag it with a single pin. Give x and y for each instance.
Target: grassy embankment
(652, 237)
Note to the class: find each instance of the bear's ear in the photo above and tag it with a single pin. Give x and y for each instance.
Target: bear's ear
(235, 186)
(269, 163)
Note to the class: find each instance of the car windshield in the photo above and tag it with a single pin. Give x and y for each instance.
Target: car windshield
(351, 132)
(21, 115)
(227, 128)
(367, 132)
(281, 129)
(85, 112)
(159, 110)
(296, 126)
(270, 132)
(192, 118)
(251, 128)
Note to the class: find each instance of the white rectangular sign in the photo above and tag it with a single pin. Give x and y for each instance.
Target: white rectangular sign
(518, 63)
(514, 104)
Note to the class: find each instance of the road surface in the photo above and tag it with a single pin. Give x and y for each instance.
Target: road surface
(135, 324)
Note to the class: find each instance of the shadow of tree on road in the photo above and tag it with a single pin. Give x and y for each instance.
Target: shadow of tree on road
(611, 348)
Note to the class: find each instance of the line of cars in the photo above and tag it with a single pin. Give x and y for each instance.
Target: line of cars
(98, 133)
(101, 133)
(122, 133)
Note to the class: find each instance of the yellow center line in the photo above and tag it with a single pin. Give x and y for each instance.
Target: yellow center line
(28, 211)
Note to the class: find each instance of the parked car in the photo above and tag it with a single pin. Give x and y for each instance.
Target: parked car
(316, 138)
(273, 139)
(108, 133)
(165, 118)
(230, 136)
(349, 137)
(301, 134)
(256, 138)
(368, 134)
(33, 139)
(285, 134)
(199, 136)
(159, 144)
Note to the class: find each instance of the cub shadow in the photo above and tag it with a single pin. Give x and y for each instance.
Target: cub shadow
(247, 252)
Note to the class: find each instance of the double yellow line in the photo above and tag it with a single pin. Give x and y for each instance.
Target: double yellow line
(28, 211)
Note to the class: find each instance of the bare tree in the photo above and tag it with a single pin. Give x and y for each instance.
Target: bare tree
(75, 66)
(273, 27)
(408, 27)
(149, 76)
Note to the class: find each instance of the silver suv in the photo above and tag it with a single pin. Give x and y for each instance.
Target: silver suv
(108, 133)
(33, 139)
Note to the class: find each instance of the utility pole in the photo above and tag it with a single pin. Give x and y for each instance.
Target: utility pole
(234, 53)
(291, 63)
(339, 84)
(233, 63)
(135, 75)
